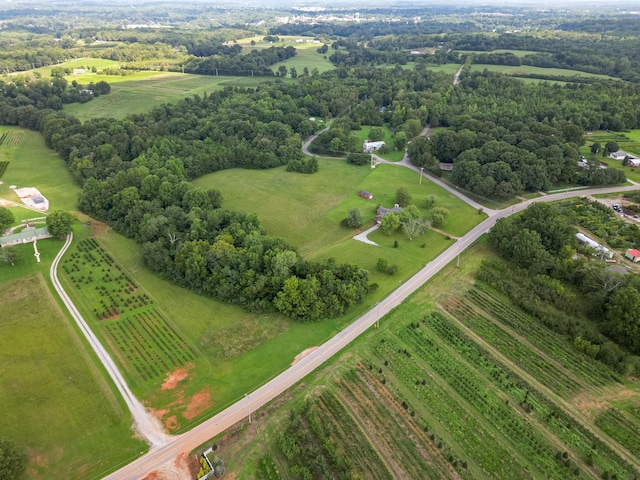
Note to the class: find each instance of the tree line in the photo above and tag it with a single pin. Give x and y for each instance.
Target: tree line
(547, 280)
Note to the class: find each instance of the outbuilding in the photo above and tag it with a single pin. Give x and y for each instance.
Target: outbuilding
(366, 195)
(633, 255)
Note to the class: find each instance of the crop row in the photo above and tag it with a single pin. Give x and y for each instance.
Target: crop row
(565, 427)
(149, 344)
(12, 138)
(3, 167)
(482, 390)
(556, 346)
(365, 393)
(530, 360)
(622, 428)
(473, 436)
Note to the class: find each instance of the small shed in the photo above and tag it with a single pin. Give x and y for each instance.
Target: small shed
(366, 195)
(447, 167)
(633, 255)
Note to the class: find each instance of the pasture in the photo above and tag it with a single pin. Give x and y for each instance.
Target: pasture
(32, 164)
(535, 71)
(306, 56)
(464, 384)
(57, 405)
(306, 210)
(517, 53)
(140, 92)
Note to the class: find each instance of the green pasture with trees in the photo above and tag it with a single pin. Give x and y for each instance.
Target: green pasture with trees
(202, 197)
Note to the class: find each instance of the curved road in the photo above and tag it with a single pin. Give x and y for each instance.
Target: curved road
(184, 443)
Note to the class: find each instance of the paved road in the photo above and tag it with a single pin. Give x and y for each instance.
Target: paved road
(146, 424)
(186, 442)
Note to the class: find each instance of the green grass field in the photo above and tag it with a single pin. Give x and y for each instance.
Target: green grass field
(517, 53)
(32, 164)
(529, 70)
(306, 56)
(56, 404)
(139, 93)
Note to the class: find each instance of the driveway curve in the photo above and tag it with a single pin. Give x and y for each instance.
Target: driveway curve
(146, 425)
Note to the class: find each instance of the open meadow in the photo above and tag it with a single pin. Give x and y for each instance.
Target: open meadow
(464, 385)
(535, 71)
(306, 56)
(56, 403)
(139, 93)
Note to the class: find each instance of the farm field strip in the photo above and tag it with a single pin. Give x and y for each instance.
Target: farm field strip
(493, 404)
(412, 455)
(589, 370)
(145, 341)
(470, 433)
(11, 137)
(544, 370)
(551, 412)
(623, 428)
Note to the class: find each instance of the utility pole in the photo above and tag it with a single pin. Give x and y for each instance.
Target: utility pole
(421, 170)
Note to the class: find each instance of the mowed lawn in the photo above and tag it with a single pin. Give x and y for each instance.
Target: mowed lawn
(627, 141)
(140, 95)
(32, 164)
(529, 70)
(306, 210)
(55, 404)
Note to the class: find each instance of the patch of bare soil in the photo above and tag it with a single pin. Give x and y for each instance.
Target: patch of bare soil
(185, 467)
(174, 378)
(592, 404)
(98, 229)
(303, 354)
(198, 404)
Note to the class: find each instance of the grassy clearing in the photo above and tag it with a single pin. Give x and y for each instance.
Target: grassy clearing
(139, 95)
(307, 209)
(517, 53)
(307, 56)
(32, 164)
(529, 70)
(56, 404)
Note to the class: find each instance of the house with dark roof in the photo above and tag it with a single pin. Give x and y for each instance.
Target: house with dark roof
(381, 212)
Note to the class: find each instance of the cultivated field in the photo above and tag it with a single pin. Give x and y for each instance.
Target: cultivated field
(56, 403)
(463, 385)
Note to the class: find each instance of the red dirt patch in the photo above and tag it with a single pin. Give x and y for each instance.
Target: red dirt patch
(176, 377)
(300, 356)
(172, 423)
(198, 404)
(98, 229)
